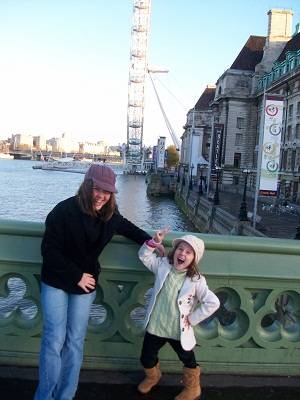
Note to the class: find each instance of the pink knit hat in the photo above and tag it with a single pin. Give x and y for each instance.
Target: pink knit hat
(102, 176)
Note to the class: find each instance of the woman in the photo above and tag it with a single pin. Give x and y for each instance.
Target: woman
(77, 230)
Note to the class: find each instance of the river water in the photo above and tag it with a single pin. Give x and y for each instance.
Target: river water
(28, 194)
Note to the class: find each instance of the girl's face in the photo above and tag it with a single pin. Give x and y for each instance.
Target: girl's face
(100, 198)
(184, 256)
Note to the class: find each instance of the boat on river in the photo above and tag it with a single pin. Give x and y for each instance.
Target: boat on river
(66, 164)
(6, 156)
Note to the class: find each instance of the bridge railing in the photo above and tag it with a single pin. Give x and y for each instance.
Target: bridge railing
(255, 331)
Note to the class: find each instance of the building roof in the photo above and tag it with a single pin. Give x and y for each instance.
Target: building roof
(206, 97)
(251, 54)
(292, 45)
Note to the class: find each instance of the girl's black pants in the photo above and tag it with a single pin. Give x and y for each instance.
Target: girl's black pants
(152, 344)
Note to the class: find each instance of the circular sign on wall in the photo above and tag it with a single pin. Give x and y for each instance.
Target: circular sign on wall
(272, 166)
(272, 110)
(275, 129)
(269, 148)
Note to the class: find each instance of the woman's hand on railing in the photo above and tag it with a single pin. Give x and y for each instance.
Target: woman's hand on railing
(87, 282)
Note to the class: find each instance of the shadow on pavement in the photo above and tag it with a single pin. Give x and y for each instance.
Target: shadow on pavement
(12, 389)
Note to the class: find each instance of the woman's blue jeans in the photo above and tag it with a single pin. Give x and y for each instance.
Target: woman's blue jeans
(65, 321)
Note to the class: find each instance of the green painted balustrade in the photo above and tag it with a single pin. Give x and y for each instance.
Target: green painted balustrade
(255, 331)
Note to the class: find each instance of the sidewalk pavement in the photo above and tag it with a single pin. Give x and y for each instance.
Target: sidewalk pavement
(276, 225)
(20, 383)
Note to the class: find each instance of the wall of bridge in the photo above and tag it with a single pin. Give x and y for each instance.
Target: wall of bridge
(256, 330)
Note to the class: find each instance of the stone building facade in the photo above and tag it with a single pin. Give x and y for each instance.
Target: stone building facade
(284, 79)
(271, 62)
(236, 103)
(197, 133)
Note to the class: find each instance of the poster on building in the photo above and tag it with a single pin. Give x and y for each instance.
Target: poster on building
(216, 155)
(272, 129)
(161, 152)
(154, 156)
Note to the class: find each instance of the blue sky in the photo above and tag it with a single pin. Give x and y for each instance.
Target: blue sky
(64, 63)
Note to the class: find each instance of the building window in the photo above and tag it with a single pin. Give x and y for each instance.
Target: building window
(298, 131)
(238, 139)
(243, 83)
(237, 160)
(298, 108)
(284, 160)
(293, 159)
(240, 122)
(289, 159)
(291, 108)
(298, 157)
(288, 133)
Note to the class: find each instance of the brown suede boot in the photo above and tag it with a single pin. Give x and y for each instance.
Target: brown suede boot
(153, 376)
(191, 381)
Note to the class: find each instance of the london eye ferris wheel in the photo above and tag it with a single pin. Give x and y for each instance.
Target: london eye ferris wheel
(136, 83)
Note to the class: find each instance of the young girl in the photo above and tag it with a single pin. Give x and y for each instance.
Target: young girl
(180, 300)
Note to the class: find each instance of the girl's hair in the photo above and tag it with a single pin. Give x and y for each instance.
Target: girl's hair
(192, 268)
(85, 199)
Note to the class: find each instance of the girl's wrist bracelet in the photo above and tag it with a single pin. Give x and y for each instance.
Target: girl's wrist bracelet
(152, 243)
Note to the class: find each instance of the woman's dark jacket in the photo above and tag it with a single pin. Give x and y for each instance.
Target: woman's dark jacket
(73, 242)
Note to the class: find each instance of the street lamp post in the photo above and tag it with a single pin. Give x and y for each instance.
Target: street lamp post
(243, 207)
(201, 180)
(178, 174)
(191, 178)
(183, 177)
(297, 236)
(216, 195)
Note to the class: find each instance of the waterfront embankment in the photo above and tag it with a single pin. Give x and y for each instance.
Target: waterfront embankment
(223, 218)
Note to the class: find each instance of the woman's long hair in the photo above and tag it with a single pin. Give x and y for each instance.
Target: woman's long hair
(192, 269)
(85, 199)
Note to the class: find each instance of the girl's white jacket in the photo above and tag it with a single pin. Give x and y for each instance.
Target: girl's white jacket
(194, 291)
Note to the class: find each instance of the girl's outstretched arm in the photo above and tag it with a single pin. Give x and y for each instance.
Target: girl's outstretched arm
(158, 238)
(160, 234)
(146, 252)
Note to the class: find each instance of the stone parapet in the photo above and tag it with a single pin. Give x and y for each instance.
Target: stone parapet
(256, 331)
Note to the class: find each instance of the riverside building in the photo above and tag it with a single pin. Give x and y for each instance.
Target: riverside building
(266, 63)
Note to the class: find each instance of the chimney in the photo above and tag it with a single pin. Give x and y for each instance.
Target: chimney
(279, 25)
(279, 33)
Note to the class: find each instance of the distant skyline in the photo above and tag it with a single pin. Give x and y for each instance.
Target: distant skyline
(64, 63)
